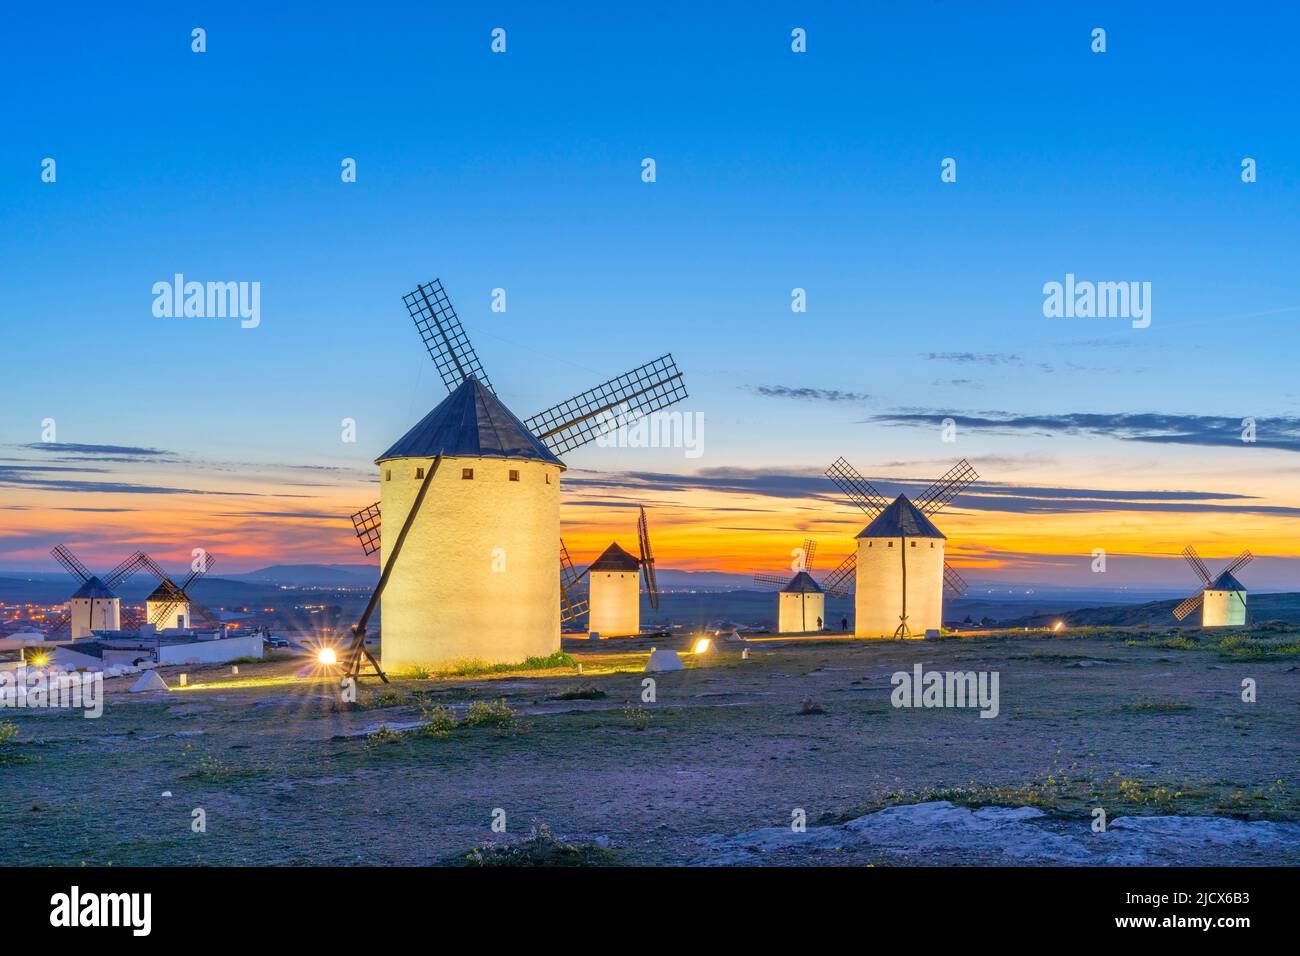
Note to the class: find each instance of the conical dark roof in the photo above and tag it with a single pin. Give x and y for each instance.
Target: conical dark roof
(901, 519)
(93, 588)
(1226, 582)
(167, 591)
(802, 582)
(615, 559)
(471, 422)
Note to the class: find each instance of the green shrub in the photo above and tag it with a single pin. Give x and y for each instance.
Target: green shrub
(439, 721)
(638, 718)
(474, 668)
(490, 713)
(541, 848)
(8, 734)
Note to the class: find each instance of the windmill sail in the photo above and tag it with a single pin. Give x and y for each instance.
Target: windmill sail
(803, 561)
(572, 606)
(71, 563)
(620, 401)
(647, 560)
(1189, 604)
(1194, 559)
(809, 552)
(946, 488)
(440, 328)
(856, 488)
(124, 570)
(840, 581)
(1238, 563)
(366, 524)
(953, 581)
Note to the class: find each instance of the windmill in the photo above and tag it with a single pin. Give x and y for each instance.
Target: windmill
(615, 581)
(1222, 599)
(170, 604)
(900, 570)
(93, 606)
(478, 576)
(801, 604)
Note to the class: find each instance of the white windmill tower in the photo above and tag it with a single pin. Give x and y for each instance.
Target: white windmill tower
(170, 605)
(801, 601)
(614, 582)
(1222, 599)
(899, 565)
(481, 563)
(93, 606)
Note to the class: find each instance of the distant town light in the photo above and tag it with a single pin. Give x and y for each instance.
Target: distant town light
(1059, 625)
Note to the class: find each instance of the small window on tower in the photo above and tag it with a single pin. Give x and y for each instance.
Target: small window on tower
(467, 474)
(419, 473)
(914, 544)
(388, 474)
(932, 544)
(891, 544)
(548, 477)
(514, 475)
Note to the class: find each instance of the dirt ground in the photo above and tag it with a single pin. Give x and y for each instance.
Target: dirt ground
(287, 773)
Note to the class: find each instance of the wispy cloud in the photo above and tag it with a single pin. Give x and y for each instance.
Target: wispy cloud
(975, 358)
(304, 515)
(68, 448)
(807, 393)
(982, 496)
(1155, 427)
(985, 358)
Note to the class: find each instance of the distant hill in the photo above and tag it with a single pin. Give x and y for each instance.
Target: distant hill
(312, 575)
(702, 580)
(1263, 607)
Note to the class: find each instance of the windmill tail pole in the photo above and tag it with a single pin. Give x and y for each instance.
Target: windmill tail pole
(358, 648)
(903, 629)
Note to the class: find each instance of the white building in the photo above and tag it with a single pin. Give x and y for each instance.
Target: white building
(478, 575)
(614, 593)
(899, 574)
(1223, 603)
(801, 606)
(165, 594)
(216, 646)
(93, 607)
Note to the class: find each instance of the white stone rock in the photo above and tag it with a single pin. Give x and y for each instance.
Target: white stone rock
(939, 830)
(663, 660)
(147, 682)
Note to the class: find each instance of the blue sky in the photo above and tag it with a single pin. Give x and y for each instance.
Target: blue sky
(775, 170)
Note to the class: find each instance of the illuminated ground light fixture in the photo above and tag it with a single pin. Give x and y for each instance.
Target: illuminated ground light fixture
(702, 646)
(326, 657)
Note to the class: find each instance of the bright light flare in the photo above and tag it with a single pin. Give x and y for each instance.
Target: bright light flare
(1058, 626)
(326, 657)
(702, 646)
